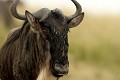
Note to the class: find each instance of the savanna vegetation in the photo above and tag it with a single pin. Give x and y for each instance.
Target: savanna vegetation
(94, 52)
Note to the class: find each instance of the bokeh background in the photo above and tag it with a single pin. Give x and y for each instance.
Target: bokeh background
(94, 52)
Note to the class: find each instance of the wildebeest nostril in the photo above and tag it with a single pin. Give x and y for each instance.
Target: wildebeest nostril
(61, 70)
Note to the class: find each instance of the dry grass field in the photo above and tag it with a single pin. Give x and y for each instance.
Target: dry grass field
(94, 51)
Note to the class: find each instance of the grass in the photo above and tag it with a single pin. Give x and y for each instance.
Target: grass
(3, 33)
(96, 39)
(96, 43)
(94, 51)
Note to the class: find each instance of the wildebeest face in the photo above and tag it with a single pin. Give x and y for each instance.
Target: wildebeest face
(55, 29)
(55, 26)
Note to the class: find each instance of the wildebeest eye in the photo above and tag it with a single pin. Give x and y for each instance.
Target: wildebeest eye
(46, 25)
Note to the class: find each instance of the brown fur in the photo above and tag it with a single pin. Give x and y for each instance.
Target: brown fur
(23, 55)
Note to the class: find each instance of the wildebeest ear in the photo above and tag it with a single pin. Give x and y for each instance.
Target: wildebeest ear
(76, 21)
(35, 26)
(30, 18)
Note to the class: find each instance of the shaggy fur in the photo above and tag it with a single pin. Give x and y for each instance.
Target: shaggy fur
(22, 53)
(40, 48)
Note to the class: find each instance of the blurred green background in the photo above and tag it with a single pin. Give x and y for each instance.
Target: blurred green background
(94, 52)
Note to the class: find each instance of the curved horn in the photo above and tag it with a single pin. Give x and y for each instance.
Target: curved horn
(78, 10)
(14, 11)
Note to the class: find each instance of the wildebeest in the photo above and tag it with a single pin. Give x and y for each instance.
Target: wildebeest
(39, 49)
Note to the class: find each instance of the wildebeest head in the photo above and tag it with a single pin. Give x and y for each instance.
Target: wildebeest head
(55, 26)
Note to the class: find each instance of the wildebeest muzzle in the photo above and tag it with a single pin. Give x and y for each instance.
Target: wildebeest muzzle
(60, 69)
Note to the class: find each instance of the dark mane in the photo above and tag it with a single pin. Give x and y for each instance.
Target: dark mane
(26, 48)
(17, 34)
